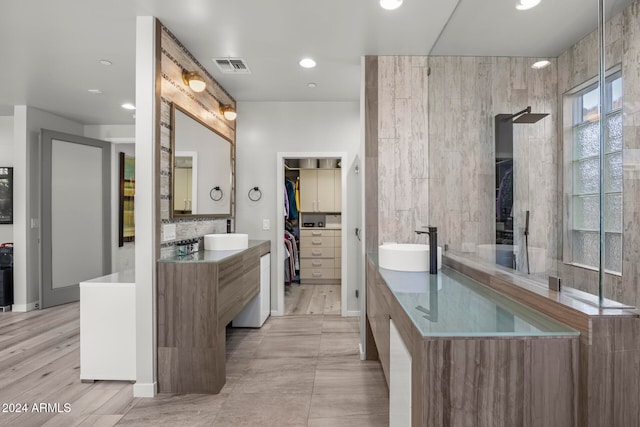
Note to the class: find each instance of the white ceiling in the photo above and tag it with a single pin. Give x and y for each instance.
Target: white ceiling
(51, 49)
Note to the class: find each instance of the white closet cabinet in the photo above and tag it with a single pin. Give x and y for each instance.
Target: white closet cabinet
(318, 190)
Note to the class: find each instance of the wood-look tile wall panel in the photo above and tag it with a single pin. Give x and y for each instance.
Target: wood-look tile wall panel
(438, 120)
(462, 106)
(403, 151)
(371, 97)
(205, 105)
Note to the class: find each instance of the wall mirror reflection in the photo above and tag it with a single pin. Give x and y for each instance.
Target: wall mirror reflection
(202, 164)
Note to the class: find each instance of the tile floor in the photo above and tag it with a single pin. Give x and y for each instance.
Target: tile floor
(295, 371)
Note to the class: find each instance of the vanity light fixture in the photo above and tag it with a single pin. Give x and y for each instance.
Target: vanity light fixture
(128, 106)
(540, 64)
(390, 4)
(194, 80)
(228, 112)
(307, 63)
(527, 4)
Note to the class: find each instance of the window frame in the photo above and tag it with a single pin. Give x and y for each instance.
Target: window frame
(573, 105)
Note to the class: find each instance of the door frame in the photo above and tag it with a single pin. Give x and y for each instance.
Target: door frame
(50, 297)
(281, 156)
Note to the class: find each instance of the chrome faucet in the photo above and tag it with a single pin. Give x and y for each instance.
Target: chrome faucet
(433, 248)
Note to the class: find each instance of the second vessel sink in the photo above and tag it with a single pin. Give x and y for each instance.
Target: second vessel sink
(226, 242)
(406, 257)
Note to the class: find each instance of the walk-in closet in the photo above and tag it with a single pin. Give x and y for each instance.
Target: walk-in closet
(312, 238)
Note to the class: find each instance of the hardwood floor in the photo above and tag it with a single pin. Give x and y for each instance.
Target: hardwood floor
(294, 371)
(312, 299)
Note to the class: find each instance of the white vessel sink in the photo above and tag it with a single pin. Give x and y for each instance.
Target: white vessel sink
(406, 257)
(226, 242)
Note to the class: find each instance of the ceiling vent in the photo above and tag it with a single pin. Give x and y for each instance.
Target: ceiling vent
(232, 65)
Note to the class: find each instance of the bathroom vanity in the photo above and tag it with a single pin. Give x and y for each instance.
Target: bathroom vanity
(198, 296)
(457, 353)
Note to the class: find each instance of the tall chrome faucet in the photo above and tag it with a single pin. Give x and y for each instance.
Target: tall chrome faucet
(433, 248)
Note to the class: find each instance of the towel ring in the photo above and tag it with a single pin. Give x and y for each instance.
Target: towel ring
(216, 190)
(254, 190)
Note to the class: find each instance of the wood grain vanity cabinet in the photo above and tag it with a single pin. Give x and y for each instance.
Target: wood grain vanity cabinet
(479, 359)
(320, 190)
(198, 295)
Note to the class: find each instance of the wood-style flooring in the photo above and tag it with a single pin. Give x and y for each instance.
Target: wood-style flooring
(294, 371)
(312, 299)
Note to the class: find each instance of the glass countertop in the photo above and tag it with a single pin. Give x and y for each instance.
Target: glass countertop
(210, 256)
(451, 304)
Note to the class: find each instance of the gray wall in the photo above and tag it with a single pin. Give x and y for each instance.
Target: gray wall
(266, 128)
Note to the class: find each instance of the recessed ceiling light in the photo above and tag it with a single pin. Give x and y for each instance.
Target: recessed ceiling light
(105, 62)
(94, 91)
(540, 64)
(312, 85)
(307, 63)
(128, 106)
(527, 4)
(390, 4)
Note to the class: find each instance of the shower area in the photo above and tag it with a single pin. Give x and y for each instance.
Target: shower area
(531, 170)
(505, 252)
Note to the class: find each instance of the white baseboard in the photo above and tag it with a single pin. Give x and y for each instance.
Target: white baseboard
(23, 308)
(145, 389)
(363, 355)
(353, 313)
(276, 313)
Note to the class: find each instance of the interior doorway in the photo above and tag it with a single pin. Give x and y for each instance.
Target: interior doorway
(76, 221)
(312, 272)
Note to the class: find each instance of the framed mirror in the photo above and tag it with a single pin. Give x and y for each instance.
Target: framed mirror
(202, 168)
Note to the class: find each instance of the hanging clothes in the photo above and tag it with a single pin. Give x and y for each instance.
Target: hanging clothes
(298, 192)
(294, 249)
(291, 198)
(286, 203)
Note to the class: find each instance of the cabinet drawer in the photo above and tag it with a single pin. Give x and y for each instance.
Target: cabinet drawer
(318, 273)
(325, 242)
(316, 252)
(317, 233)
(312, 263)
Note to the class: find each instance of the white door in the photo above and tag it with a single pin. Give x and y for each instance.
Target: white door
(76, 220)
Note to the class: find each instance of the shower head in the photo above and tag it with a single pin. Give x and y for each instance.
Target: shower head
(526, 116)
(530, 117)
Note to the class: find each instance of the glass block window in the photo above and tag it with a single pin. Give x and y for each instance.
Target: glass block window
(586, 176)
